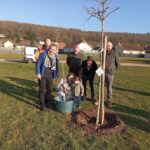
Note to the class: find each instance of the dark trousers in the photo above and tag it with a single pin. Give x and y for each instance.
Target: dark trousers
(45, 88)
(109, 81)
(91, 83)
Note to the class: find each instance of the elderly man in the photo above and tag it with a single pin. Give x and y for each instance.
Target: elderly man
(112, 63)
(74, 61)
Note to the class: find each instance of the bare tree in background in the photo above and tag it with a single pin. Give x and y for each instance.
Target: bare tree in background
(101, 11)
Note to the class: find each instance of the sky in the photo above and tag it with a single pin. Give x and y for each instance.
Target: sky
(132, 17)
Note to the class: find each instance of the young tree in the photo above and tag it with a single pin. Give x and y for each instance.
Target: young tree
(101, 11)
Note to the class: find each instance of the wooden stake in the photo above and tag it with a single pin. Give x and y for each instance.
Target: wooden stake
(102, 84)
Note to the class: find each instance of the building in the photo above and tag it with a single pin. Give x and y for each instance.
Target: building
(147, 51)
(85, 47)
(2, 36)
(130, 50)
(8, 44)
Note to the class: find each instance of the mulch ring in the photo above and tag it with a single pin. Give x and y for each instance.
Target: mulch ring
(87, 119)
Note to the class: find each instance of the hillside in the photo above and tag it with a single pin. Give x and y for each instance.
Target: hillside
(31, 33)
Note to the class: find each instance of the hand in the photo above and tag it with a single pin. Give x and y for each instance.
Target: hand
(39, 76)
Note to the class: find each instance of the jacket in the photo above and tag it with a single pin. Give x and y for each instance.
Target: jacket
(40, 68)
(74, 63)
(112, 61)
(88, 74)
(78, 89)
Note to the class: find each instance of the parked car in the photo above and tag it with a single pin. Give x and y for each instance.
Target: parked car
(29, 54)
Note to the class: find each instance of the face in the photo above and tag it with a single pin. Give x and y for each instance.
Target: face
(52, 50)
(70, 78)
(76, 50)
(47, 43)
(109, 46)
(89, 63)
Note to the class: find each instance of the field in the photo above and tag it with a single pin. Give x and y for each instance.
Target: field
(24, 126)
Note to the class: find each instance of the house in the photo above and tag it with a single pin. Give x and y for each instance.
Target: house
(2, 36)
(130, 49)
(147, 51)
(85, 47)
(8, 44)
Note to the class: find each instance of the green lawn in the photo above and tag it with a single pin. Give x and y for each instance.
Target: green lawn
(122, 59)
(24, 126)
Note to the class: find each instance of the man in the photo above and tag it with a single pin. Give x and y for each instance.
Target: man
(46, 70)
(88, 69)
(74, 61)
(112, 63)
(41, 49)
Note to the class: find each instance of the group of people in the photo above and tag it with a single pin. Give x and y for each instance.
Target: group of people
(80, 71)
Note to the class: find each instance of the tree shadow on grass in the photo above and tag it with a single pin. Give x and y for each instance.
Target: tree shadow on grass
(22, 91)
(133, 91)
(131, 116)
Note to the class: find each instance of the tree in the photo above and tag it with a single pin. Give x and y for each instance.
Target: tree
(101, 11)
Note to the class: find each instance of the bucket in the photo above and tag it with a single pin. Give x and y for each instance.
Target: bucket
(64, 106)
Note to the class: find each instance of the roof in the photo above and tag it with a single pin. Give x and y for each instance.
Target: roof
(7, 42)
(61, 45)
(129, 47)
(147, 47)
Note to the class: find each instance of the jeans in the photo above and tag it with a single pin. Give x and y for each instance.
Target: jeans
(109, 81)
(84, 81)
(78, 100)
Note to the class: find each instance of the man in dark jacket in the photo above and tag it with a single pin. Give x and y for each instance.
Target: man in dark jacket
(74, 61)
(88, 69)
(112, 63)
(46, 70)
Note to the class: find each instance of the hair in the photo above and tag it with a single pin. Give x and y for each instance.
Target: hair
(70, 74)
(47, 39)
(89, 58)
(53, 45)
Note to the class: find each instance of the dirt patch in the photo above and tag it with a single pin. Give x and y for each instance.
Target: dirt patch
(86, 120)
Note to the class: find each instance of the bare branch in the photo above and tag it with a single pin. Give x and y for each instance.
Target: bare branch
(111, 12)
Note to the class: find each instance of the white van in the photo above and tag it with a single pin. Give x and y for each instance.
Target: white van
(29, 54)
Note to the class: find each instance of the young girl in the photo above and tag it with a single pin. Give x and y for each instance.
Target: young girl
(78, 91)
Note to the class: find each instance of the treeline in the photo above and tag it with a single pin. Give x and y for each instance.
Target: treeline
(30, 33)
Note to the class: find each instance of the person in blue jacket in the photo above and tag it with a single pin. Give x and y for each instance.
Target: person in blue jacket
(47, 70)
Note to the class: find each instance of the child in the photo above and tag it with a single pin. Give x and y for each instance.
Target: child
(78, 91)
(65, 86)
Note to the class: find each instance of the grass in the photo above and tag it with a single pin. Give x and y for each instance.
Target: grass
(24, 126)
(4, 55)
(122, 59)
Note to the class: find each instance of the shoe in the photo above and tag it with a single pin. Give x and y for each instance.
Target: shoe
(79, 107)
